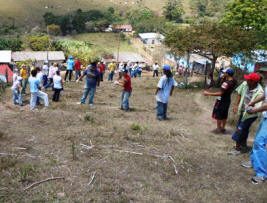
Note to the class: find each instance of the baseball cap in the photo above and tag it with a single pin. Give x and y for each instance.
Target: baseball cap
(166, 67)
(229, 71)
(71, 57)
(253, 76)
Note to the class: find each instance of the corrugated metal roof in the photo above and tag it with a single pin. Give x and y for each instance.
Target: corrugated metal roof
(129, 56)
(38, 55)
(5, 56)
(151, 35)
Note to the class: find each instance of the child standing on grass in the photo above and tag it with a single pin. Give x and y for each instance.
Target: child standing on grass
(35, 92)
(165, 88)
(58, 86)
(127, 90)
(16, 91)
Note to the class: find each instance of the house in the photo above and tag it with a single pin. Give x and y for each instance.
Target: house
(39, 56)
(123, 28)
(5, 56)
(6, 71)
(151, 38)
(250, 65)
(124, 57)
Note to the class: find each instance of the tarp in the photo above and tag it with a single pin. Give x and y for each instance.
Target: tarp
(3, 69)
(5, 56)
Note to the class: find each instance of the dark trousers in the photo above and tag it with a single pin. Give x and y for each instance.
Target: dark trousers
(243, 127)
(77, 74)
(162, 110)
(101, 76)
(155, 73)
(56, 95)
(50, 83)
(69, 72)
(45, 80)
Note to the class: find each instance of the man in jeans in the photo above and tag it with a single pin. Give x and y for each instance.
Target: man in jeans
(35, 92)
(259, 154)
(127, 90)
(92, 80)
(248, 91)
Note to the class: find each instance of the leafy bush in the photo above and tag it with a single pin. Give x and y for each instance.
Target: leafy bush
(10, 44)
(37, 42)
(53, 30)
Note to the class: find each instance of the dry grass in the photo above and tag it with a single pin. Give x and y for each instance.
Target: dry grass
(47, 144)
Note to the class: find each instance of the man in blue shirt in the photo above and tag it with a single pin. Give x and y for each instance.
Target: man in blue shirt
(92, 80)
(70, 67)
(35, 92)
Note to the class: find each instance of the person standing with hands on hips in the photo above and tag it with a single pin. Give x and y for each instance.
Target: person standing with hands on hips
(165, 88)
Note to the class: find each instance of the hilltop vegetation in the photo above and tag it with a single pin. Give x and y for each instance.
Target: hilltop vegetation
(29, 13)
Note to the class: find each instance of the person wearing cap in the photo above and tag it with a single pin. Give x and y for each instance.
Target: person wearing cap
(77, 66)
(45, 70)
(24, 75)
(164, 90)
(258, 156)
(223, 101)
(248, 91)
(92, 80)
(70, 65)
(127, 90)
(15, 89)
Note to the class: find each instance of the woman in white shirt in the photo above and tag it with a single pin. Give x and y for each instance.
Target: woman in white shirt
(58, 86)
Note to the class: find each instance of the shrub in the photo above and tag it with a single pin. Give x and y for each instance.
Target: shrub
(135, 127)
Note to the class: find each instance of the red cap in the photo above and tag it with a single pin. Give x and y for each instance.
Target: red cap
(253, 76)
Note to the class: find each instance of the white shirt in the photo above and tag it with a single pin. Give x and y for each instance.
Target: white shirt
(165, 86)
(265, 112)
(155, 67)
(16, 85)
(45, 69)
(39, 76)
(57, 82)
(121, 67)
(14, 78)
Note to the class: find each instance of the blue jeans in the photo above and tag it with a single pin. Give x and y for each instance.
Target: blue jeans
(110, 76)
(45, 79)
(130, 71)
(125, 100)
(77, 74)
(161, 110)
(243, 126)
(259, 155)
(17, 97)
(49, 84)
(87, 90)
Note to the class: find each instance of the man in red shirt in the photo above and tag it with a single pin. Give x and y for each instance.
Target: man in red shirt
(127, 90)
(77, 66)
(102, 70)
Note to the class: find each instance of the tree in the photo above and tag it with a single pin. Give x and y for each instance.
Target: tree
(173, 11)
(37, 42)
(53, 30)
(248, 14)
(10, 44)
(183, 42)
(78, 21)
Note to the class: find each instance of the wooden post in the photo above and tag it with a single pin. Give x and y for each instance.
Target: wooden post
(205, 75)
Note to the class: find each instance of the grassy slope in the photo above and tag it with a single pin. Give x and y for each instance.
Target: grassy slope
(30, 12)
(106, 41)
(51, 139)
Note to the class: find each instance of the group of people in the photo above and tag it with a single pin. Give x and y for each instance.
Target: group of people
(251, 101)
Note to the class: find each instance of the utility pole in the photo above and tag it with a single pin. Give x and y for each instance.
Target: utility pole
(118, 51)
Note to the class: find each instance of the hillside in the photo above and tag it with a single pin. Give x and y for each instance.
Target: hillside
(30, 12)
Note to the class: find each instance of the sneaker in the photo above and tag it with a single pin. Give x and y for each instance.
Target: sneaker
(247, 164)
(91, 105)
(80, 103)
(257, 180)
(234, 152)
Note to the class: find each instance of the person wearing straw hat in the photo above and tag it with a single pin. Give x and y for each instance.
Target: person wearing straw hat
(258, 156)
